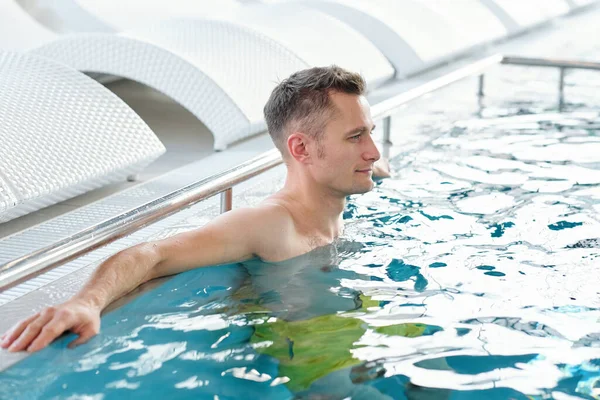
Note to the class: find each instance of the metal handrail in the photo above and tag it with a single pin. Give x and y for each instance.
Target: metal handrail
(386, 107)
(550, 62)
(121, 225)
(562, 65)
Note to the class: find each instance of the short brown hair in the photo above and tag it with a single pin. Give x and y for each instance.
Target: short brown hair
(303, 99)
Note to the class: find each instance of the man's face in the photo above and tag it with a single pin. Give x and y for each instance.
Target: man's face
(347, 150)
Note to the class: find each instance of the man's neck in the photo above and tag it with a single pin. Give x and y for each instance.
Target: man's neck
(315, 209)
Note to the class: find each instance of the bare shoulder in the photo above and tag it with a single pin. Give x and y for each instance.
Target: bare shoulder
(275, 232)
(275, 217)
(265, 216)
(267, 221)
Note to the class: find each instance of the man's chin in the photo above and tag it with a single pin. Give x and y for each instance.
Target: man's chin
(362, 189)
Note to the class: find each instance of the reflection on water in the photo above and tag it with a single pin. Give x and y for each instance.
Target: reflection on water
(473, 274)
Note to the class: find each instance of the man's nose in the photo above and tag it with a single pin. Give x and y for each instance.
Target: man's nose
(371, 152)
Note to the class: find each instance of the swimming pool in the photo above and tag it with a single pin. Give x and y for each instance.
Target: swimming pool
(472, 274)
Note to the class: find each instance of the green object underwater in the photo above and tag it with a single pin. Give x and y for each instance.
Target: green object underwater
(310, 349)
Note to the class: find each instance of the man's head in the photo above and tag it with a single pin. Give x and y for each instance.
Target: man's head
(320, 118)
(302, 102)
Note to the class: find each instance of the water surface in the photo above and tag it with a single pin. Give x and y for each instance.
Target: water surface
(471, 274)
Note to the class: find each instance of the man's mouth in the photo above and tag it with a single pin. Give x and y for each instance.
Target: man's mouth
(365, 171)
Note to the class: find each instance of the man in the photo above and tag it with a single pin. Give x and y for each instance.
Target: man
(320, 121)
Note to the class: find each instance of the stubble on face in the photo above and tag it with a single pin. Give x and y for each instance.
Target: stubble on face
(357, 185)
(360, 189)
(320, 148)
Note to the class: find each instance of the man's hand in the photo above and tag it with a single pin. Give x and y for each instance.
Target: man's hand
(381, 168)
(39, 330)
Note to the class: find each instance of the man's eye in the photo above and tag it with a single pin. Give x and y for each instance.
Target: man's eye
(355, 137)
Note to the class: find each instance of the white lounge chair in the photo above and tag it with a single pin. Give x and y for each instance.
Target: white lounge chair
(520, 15)
(220, 71)
(580, 3)
(125, 15)
(68, 16)
(314, 37)
(18, 30)
(62, 134)
(474, 22)
(407, 32)
(317, 38)
(64, 16)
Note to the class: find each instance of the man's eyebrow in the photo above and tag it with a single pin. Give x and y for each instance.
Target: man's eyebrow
(360, 129)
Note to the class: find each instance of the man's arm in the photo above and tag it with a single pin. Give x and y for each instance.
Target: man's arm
(231, 237)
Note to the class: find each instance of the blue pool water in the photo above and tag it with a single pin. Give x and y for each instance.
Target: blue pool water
(472, 274)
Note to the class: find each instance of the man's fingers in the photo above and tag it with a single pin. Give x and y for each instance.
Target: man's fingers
(31, 331)
(9, 337)
(83, 338)
(51, 331)
(38, 331)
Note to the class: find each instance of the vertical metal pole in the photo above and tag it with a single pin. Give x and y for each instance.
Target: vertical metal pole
(480, 94)
(561, 89)
(480, 91)
(226, 200)
(387, 127)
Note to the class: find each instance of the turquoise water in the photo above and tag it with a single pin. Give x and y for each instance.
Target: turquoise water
(472, 274)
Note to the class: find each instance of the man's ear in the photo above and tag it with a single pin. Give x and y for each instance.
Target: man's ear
(297, 144)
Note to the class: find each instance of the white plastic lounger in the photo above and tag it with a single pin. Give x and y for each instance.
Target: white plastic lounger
(520, 15)
(221, 72)
(313, 36)
(125, 15)
(62, 134)
(580, 3)
(64, 16)
(18, 30)
(317, 38)
(113, 16)
(407, 32)
(475, 23)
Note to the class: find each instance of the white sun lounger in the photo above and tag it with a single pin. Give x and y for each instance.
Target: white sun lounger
(64, 16)
(62, 134)
(410, 34)
(68, 16)
(414, 34)
(580, 3)
(474, 22)
(221, 72)
(125, 15)
(18, 30)
(317, 38)
(520, 15)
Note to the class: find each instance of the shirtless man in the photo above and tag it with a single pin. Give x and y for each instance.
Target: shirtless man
(320, 121)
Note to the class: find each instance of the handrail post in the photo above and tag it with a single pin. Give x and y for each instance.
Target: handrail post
(561, 88)
(387, 128)
(226, 200)
(480, 92)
